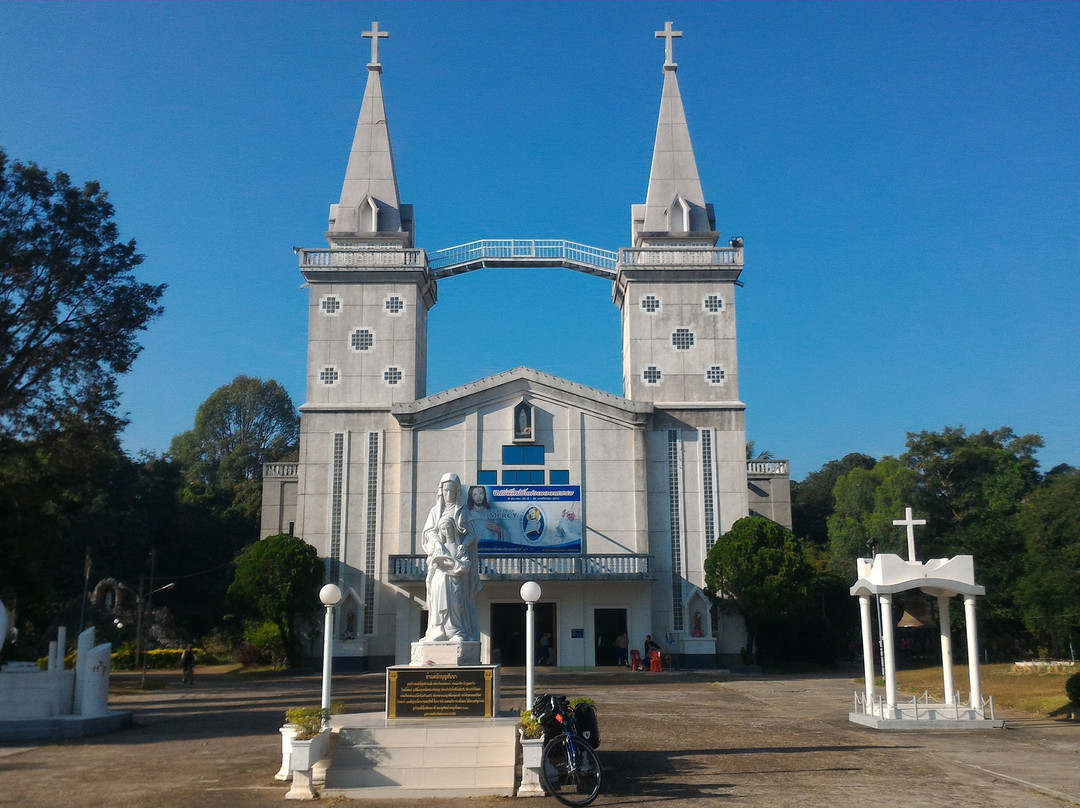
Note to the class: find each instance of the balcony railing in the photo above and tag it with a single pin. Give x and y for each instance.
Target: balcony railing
(694, 256)
(280, 470)
(346, 257)
(775, 467)
(622, 567)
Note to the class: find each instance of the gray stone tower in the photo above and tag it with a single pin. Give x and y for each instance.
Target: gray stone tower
(370, 292)
(676, 293)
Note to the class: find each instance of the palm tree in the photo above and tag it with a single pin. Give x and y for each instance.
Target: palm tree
(765, 454)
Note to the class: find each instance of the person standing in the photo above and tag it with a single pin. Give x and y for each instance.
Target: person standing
(187, 666)
(622, 646)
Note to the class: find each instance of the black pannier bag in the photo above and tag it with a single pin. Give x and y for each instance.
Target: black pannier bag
(587, 725)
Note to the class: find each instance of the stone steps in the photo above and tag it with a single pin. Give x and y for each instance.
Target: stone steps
(414, 758)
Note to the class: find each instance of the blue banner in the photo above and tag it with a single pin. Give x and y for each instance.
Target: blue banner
(522, 519)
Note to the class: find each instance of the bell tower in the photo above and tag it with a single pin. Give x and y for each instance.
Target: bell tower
(370, 292)
(674, 287)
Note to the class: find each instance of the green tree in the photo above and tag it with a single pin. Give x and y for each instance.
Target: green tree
(764, 570)
(867, 502)
(970, 489)
(278, 580)
(969, 479)
(1049, 590)
(241, 425)
(63, 493)
(70, 304)
(812, 501)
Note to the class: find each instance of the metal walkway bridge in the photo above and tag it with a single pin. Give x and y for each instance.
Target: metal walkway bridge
(522, 253)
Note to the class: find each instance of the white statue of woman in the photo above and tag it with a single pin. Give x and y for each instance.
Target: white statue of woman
(453, 576)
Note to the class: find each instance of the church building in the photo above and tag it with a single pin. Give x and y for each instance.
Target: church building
(610, 502)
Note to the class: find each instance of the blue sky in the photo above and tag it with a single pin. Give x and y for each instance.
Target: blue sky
(906, 178)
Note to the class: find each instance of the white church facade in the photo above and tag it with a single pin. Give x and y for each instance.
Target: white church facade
(611, 503)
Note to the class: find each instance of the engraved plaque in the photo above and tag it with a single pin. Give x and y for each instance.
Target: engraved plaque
(434, 692)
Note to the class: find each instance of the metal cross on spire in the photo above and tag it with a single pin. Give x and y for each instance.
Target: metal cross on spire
(910, 524)
(669, 35)
(375, 35)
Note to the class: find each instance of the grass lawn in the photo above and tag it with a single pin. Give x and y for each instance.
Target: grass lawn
(1039, 694)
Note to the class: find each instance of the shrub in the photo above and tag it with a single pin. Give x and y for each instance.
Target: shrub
(307, 720)
(530, 727)
(263, 645)
(1072, 688)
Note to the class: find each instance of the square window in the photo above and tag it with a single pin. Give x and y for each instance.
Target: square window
(713, 304)
(559, 476)
(715, 375)
(523, 477)
(523, 455)
(486, 478)
(361, 340)
(683, 339)
(534, 455)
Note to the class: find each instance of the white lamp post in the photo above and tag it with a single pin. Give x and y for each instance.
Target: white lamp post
(530, 593)
(330, 595)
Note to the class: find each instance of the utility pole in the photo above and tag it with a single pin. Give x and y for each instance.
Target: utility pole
(139, 650)
(150, 600)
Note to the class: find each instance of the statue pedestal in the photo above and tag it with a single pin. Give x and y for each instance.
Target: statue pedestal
(445, 654)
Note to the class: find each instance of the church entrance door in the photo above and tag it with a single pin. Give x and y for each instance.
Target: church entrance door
(508, 632)
(607, 625)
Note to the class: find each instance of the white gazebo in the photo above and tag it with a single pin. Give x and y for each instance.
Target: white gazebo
(944, 578)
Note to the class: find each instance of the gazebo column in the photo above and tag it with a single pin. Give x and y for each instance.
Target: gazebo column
(885, 604)
(867, 647)
(946, 648)
(973, 653)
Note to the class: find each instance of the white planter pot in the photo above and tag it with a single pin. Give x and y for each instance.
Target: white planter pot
(305, 754)
(531, 753)
(531, 749)
(288, 732)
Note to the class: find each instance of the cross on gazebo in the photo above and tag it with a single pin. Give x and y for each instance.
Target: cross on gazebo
(669, 35)
(910, 524)
(375, 35)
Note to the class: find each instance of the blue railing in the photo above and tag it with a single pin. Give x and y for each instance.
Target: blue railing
(527, 252)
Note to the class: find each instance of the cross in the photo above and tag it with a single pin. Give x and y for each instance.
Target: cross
(669, 35)
(909, 523)
(375, 35)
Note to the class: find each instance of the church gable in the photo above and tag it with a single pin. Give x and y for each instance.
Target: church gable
(508, 389)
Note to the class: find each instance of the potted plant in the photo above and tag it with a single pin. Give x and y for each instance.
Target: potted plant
(532, 746)
(309, 745)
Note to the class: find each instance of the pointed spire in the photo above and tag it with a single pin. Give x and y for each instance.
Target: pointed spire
(675, 206)
(369, 209)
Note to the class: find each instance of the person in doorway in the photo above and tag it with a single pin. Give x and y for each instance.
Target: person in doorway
(622, 650)
(187, 666)
(545, 649)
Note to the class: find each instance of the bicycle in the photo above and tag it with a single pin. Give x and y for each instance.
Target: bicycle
(569, 768)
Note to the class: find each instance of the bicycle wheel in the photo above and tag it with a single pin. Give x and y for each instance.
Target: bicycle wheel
(570, 783)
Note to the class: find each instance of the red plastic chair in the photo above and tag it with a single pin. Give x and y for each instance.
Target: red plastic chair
(635, 661)
(654, 662)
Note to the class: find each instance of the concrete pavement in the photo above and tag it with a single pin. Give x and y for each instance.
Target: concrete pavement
(676, 739)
